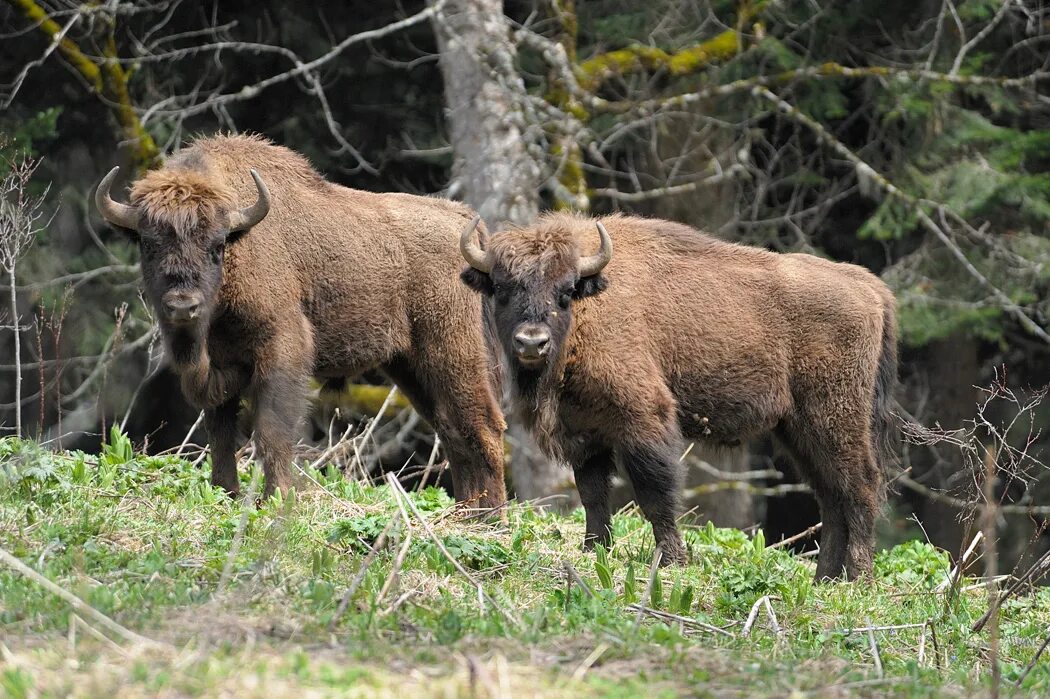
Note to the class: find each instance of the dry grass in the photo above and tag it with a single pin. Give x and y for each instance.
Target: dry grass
(145, 542)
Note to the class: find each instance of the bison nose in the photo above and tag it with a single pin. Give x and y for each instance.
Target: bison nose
(532, 342)
(181, 306)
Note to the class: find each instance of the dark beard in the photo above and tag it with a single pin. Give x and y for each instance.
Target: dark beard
(185, 345)
(528, 382)
(534, 394)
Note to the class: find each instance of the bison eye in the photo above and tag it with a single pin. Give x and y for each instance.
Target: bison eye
(564, 299)
(216, 252)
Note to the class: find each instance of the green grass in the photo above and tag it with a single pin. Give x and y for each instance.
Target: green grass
(145, 541)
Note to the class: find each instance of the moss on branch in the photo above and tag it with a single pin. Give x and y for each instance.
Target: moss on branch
(363, 399)
(109, 81)
(596, 70)
(72, 53)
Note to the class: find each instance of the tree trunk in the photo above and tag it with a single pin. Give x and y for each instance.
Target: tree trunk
(493, 171)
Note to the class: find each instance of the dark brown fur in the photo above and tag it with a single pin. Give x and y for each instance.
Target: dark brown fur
(331, 283)
(699, 339)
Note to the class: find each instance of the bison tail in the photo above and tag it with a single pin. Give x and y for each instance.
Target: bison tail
(882, 419)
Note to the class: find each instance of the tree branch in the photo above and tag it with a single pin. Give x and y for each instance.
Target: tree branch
(109, 81)
(596, 70)
(250, 91)
(828, 70)
(866, 171)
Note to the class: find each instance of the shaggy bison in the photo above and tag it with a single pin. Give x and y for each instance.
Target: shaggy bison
(615, 358)
(262, 273)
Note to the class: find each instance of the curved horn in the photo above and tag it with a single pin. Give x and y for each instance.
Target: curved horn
(591, 265)
(116, 213)
(252, 215)
(475, 256)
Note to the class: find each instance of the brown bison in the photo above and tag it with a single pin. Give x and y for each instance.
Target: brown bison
(616, 358)
(262, 273)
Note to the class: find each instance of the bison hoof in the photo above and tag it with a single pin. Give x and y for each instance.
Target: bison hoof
(674, 554)
(592, 542)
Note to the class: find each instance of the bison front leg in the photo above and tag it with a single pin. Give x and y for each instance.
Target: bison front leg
(657, 480)
(280, 407)
(593, 479)
(221, 424)
(282, 372)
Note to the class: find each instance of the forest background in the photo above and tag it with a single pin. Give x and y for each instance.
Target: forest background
(909, 137)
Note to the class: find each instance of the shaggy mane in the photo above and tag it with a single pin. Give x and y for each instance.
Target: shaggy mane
(186, 200)
(549, 244)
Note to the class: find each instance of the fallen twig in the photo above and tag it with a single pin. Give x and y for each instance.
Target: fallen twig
(875, 650)
(772, 615)
(77, 603)
(1041, 566)
(922, 642)
(667, 616)
(590, 660)
(654, 570)
(75, 620)
(394, 577)
(801, 535)
(890, 627)
(573, 575)
(400, 493)
(753, 616)
(189, 435)
(330, 449)
(398, 602)
(344, 602)
(367, 434)
(956, 572)
(430, 464)
(1034, 660)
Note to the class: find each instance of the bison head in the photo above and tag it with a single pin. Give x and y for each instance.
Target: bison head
(182, 221)
(531, 281)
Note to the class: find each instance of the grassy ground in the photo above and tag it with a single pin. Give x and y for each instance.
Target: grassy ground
(240, 601)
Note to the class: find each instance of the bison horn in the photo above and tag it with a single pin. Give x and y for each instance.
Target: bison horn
(251, 215)
(475, 256)
(116, 213)
(591, 265)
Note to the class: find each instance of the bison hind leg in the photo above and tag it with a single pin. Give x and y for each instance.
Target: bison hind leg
(463, 410)
(848, 485)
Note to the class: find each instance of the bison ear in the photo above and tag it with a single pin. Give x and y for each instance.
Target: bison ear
(132, 234)
(589, 286)
(477, 280)
(234, 236)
